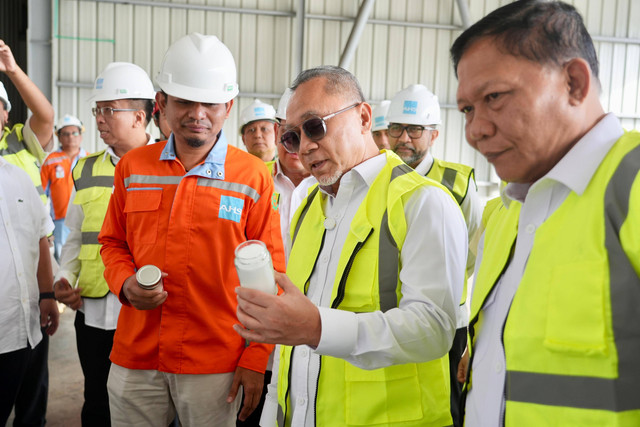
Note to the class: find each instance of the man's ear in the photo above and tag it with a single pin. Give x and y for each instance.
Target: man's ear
(578, 75)
(161, 100)
(366, 117)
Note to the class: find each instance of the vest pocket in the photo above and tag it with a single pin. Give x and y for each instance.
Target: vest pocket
(379, 396)
(576, 321)
(142, 209)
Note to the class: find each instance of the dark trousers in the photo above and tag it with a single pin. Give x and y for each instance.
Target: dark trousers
(254, 418)
(94, 348)
(31, 402)
(455, 354)
(13, 366)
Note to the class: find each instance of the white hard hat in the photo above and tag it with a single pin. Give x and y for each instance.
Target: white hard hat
(4, 96)
(258, 110)
(199, 68)
(122, 80)
(414, 105)
(281, 113)
(69, 120)
(379, 116)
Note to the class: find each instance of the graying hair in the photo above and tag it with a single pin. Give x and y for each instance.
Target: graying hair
(338, 81)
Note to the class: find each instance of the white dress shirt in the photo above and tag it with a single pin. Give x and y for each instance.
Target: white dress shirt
(24, 222)
(290, 198)
(485, 402)
(99, 313)
(472, 208)
(421, 328)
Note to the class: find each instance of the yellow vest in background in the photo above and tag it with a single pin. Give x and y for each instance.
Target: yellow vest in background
(14, 151)
(93, 180)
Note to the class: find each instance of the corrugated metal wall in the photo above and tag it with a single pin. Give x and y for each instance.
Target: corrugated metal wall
(405, 41)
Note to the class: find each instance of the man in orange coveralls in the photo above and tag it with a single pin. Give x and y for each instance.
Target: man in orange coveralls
(184, 206)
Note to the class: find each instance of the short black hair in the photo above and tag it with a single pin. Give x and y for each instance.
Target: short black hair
(145, 105)
(338, 80)
(540, 31)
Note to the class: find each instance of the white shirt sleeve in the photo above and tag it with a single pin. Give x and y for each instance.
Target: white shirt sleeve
(421, 328)
(270, 409)
(69, 262)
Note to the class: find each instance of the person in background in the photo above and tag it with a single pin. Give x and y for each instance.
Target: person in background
(414, 115)
(25, 145)
(374, 277)
(184, 206)
(123, 95)
(56, 175)
(160, 121)
(26, 279)
(555, 329)
(258, 130)
(380, 125)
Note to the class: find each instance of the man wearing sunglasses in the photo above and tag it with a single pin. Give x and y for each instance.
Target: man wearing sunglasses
(56, 175)
(414, 114)
(373, 281)
(123, 95)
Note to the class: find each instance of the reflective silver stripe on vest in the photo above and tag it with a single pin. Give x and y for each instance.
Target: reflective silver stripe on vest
(90, 237)
(14, 145)
(152, 179)
(449, 181)
(40, 190)
(203, 182)
(231, 186)
(88, 180)
(618, 394)
(389, 255)
(310, 198)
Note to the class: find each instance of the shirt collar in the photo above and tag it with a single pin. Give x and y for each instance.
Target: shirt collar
(578, 166)
(213, 165)
(425, 165)
(366, 171)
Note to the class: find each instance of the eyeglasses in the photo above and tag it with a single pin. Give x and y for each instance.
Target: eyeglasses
(395, 130)
(315, 128)
(108, 111)
(76, 133)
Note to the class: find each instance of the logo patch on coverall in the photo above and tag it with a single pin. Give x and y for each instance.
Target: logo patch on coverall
(230, 208)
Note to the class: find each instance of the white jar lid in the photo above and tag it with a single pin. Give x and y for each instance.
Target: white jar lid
(148, 275)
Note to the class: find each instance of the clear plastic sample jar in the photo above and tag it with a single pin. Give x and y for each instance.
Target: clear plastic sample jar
(148, 277)
(254, 267)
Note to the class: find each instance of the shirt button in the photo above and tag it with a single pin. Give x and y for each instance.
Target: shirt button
(531, 228)
(301, 401)
(498, 367)
(304, 352)
(324, 259)
(208, 172)
(329, 223)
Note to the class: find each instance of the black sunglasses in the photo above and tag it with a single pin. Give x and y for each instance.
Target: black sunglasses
(315, 128)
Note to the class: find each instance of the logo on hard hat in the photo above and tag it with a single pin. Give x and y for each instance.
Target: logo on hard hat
(410, 107)
(259, 111)
(379, 120)
(99, 83)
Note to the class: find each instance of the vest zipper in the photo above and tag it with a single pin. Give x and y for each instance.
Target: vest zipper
(345, 273)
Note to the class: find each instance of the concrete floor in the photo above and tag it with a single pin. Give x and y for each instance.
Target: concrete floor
(65, 376)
